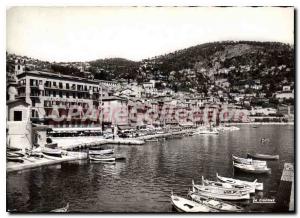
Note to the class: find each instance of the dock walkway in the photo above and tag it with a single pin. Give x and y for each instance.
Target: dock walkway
(285, 194)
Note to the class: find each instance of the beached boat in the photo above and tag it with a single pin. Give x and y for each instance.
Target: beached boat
(259, 186)
(15, 159)
(102, 158)
(61, 210)
(101, 152)
(241, 187)
(13, 149)
(251, 168)
(220, 193)
(248, 161)
(14, 154)
(263, 156)
(52, 152)
(218, 205)
(185, 205)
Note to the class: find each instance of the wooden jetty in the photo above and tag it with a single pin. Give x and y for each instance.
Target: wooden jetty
(285, 194)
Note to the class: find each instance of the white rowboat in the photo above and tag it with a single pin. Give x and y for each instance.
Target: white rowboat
(185, 205)
(214, 192)
(240, 187)
(257, 185)
(215, 204)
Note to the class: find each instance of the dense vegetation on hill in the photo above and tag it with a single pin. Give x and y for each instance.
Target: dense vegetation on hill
(198, 67)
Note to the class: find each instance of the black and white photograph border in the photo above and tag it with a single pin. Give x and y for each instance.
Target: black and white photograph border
(264, 134)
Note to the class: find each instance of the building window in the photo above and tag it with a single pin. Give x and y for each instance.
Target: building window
(60, 85)
(67, 86)
(54, 84)
(54, 93)
(67, 94)
(17, 115)
(60, 94)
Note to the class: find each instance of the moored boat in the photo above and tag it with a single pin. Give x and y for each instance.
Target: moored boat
(151, 140)
(101, 152)
(215, 204)
(15, 159)
(252, 168)
(102, 158)
(257, 185)
(52, 152)
(248, 161)
(221, 193)
(185, 205)
(263, 156)
(241, 187)
(14, 154)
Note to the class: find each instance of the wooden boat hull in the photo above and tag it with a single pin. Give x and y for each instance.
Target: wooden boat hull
(258, 186)
(248, 161)
(217, 205)
(251, 169)
(15, 159)
(103, 159)
(227, 186)
(263, 156)
(185, 205)
(101, 152)
(212, 192)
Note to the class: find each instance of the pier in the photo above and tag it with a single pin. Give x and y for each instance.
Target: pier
(285, 194)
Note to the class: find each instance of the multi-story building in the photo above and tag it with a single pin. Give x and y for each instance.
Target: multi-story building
(61, 100)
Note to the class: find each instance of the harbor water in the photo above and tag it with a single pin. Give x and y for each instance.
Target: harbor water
(143, 182)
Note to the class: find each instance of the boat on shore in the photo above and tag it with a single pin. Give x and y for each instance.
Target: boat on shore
(61, 210)
(15, 159)
(257, 185)
(247, 168)
(56, 152)
(241, 187)
(220, 193)
(248, 161)
(101, 152)
(185, 205)
(14, 154)
(217, 205)
(263, 156)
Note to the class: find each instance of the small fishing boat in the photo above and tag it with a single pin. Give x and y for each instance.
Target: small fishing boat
(101, 158)
(255, 127)
(241, 187)
(263, 156)
(101, 152)
(52, 152)
(61, 210)
(151, 140)
(251, 168)
(249, 161)
(185, 205)
(221, 193)
(218, 205)
(14, 154)
(257, 185)
(13, 149)
(15, 159)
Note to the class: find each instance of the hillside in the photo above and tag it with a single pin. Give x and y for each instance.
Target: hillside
(203, 68)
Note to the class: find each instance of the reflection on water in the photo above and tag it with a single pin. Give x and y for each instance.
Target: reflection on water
(144, 181)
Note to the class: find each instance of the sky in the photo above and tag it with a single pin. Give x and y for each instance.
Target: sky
(89, 33)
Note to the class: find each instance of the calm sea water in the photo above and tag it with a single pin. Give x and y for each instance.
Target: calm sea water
(143, 182)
